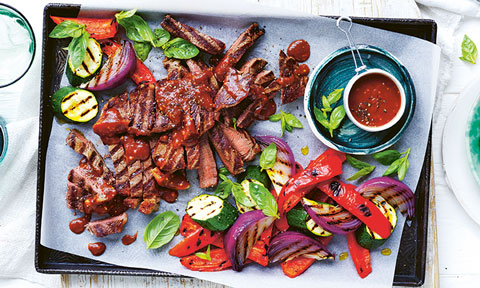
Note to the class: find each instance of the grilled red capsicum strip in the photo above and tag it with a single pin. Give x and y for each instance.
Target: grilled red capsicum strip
(346, 196)
(194, 242)
(141, 75)
(326, 166)
(259, 250)
(219, 262)
(360, 256)
(98, 28)
(296, 266)
(189, 227)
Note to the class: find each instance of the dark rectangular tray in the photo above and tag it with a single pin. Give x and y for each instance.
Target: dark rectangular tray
(410, 268)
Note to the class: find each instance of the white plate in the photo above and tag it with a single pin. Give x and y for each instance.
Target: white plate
(454, 151)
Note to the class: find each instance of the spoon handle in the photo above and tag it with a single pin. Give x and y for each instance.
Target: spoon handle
(353, 46)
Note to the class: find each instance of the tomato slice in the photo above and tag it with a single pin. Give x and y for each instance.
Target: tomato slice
(98, 28)
(360, 256)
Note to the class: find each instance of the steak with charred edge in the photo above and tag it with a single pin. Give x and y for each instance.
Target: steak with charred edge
(142, 107)
(107, 226)
(207, 172)
(135, 175)
(287, 66)
(236, 51)
(162, 122)
(242, 142)
(77, 141)
(235, 88)
(192, 154)
(202, 41)
(229, 156)
(264, 78)
(253, 66)
(165, 155)
(114, 120)
(199, 66)
(76, 196)
(151, 193)
(175, 69)
(122, 182)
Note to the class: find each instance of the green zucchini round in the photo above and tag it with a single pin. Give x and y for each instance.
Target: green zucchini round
(74, 104)
(211, 212)
(299, 219)
(89, 67)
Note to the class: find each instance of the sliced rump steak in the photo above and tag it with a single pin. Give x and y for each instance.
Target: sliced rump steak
(207, 171)
(229, 156)
(107, 226)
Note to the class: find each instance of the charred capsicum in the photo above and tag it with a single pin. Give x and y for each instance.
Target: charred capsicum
(360, 256)
(98, 28)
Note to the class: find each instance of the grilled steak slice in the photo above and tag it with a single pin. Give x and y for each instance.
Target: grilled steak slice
(296, 89)
(167, 155)
(192, 154)
(236, 51)
(142, 107)
(135, 175)
(76, 196)
(253, 66)
(202, 41)
(202, 118)
(77, 141)
(264, 78)
(114, 120)
(229, 156)
(174, 68)
(235, 88)
(207, 172)
(151, 193)
(162, 122)
(107, 226)
(242, 142)
(84, 175)
(132, 203)
(199, 66)
(148, 206)
(122, 183)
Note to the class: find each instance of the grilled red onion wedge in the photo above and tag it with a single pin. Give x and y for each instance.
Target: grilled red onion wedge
(289, 245)
(395, 192)
(333, 218)
(115, 70)
(241, 237)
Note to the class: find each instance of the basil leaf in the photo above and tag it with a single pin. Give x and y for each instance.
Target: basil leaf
(204, 255)
(161, 229)
(288, 128)
(334, 96)
(223, 171)
(362, 172)
(125, 14)
(224, 189)
(67, 29)
(387, 157)
(336, 118)
(161, 37)
(402, 171)
(142, 49)
(283, 125)
(256, 173)
(240, 196)
(325, 102)
(264, 199)
(293, 121)
(469, 50)
(357, 164)
(393, 167)
(268, 156)
(137, 29)
(180, 49)
(234, 120)
(275, 117)
(77, 49)
(320, 117)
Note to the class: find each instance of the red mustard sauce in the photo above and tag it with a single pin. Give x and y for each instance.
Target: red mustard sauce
(129, 239)
(135, 149)
(374, 100)
(97, 248)
(299, 49)
(77, 225)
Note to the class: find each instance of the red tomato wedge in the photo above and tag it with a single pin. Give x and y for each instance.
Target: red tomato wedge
(360, 256)
(98, 28)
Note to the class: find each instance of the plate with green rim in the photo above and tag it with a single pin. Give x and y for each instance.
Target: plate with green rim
(473, 139)
(334, 72)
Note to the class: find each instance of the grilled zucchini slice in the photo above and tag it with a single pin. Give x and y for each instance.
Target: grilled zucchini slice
(299, 219)
(211, 212)
(89, 67)
(370, 240)
(74, 104)
(246, 189)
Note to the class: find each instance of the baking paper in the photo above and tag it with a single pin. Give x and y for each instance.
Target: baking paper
(421, 58)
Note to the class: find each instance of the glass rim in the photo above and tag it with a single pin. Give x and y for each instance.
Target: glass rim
(34, 45)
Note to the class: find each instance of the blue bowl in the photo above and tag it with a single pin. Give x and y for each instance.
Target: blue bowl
(334, 72)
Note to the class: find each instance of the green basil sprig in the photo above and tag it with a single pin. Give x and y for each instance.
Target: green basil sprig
(224, 188)
(142, 49)
(364, 168)
(288, 121)
(240, 196)
(204, 255)
(228, 187)
(332, 121)
(180, 48)
(268, 156)
(161, 229)
(387, 157)
(264, 199)
(135, 27)
(400, 166)
(78, 46)
(161, 36)
(469, 50)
